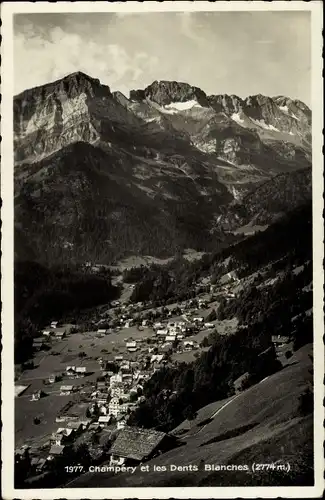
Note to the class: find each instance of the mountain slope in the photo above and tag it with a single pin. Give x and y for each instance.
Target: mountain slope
(98, 205)
(269, 418)
(101, 175)
(273, 426)
(269, 201)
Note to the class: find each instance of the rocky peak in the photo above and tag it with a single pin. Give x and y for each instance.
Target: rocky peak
(228, 104)
(121, 99)
(259, 101)
(56, 114)
(71, 85)
(295, 107)
(164, 92)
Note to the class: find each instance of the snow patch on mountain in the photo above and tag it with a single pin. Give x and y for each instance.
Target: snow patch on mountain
(236, 117)
(236, 194)
(182, 106)
(284, 109)
(266, 126)
(294, 116)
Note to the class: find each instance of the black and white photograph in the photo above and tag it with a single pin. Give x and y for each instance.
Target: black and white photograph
(162, 247)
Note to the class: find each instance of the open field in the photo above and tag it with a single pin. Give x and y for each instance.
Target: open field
(146, 260)
(137, 261)
(186, 356)
(45, 409)
(263, 419)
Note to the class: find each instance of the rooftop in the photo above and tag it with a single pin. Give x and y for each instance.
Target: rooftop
(241, 378)
(136, 443)
(280, 338)
(56, 449)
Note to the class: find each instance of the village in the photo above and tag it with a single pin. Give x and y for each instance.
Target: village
(82, 386)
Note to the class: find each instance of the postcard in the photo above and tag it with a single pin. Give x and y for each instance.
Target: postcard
(162, 250)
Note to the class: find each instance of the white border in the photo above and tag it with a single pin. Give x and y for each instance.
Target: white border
(8, 491)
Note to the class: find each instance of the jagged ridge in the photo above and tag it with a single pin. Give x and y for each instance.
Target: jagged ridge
(171, 153)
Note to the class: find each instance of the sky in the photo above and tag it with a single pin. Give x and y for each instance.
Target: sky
(241, 53)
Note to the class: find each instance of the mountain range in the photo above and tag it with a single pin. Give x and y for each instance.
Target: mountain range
(99, 175)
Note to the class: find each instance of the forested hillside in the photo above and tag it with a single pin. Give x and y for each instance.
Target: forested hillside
(277, 301)
(284, 244)
(43, 295)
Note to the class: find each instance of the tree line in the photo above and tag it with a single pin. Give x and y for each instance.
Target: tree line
(45, 294)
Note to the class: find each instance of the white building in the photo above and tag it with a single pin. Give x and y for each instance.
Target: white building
(104, 420)
(65, 390)
(162, 332)
(81, 371)
(114, 407)
(36, 396)
(131, 345)
(117, 391)
(121, 424)
(132, 349)
(115, 379)
(156, 358)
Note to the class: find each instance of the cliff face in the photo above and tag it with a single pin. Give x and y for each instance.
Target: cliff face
(92, 165)
(76, 108)
(165, 92)
(53, 116)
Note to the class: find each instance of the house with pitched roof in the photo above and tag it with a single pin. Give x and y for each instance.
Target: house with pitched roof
(135, 445)
(56, 450)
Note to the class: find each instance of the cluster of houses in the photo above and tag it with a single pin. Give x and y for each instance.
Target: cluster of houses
(102, 404)
(130, 446)
(113, 396)
(142, 314)
(176, 331)
(53, 331)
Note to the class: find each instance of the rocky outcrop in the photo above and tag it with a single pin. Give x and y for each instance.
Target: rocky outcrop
(228, 104)
(119, 97)
(53, 116)
(165, 92)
